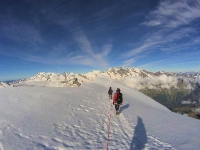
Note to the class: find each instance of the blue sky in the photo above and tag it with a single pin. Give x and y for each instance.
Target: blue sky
(84, 35)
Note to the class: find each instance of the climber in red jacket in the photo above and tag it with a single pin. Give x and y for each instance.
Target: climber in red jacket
(117, 100)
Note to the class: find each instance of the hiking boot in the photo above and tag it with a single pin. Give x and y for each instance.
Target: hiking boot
(117, 112)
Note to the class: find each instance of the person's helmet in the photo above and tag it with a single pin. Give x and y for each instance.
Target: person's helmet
(118, 90)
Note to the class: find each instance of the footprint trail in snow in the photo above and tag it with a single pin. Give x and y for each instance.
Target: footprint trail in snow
(85, 127)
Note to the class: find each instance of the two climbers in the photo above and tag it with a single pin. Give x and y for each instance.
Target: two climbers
(117, 100)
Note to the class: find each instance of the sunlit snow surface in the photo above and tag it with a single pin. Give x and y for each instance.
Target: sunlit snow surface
(62, 118)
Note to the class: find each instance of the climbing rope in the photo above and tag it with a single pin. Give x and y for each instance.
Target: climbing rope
(108, 125)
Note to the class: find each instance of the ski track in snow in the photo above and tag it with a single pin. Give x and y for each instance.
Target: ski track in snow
(75, 135)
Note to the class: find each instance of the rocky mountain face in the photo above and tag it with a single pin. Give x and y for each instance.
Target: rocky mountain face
(121, 73)
(175, 97)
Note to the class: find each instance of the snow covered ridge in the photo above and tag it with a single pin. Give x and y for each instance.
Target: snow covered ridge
(132, 77)
(43, 79)
(2, 84)
(121, 73)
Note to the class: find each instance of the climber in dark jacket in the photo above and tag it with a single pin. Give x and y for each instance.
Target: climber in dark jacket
(110, 91)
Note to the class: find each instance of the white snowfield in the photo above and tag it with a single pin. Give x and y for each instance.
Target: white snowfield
(72, 118)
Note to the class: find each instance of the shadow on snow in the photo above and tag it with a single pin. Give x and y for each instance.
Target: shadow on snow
(124, 107)
(139, 137)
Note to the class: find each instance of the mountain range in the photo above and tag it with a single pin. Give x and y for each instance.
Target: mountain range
(81, 116)
(170, 89)
(134, 77)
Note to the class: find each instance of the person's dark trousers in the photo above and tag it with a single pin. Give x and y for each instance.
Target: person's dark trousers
(116, 107)
(110, 96)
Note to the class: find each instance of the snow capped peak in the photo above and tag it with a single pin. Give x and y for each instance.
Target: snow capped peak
(121, 73)
(3, 84)
(96, 71)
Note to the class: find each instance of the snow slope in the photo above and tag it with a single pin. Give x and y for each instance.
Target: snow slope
(62, 118)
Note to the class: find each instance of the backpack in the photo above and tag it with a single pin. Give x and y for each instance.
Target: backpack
(119, 98)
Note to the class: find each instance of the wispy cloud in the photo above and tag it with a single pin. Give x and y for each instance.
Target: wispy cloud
(19, 31)
(177, 62)
(129, 63)
(84, 60)
(61, 13)
(63, 16)
(154, 65)
(69, 20)
(96, 58)
(61, 54)
(174, 13)
(171, 19)
(84, 43)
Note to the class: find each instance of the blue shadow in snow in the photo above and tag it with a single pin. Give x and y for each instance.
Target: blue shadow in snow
(124, 107)
(139, 137)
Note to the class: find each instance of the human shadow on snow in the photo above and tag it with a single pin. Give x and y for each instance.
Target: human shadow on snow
(124, 107)
(139, 137)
